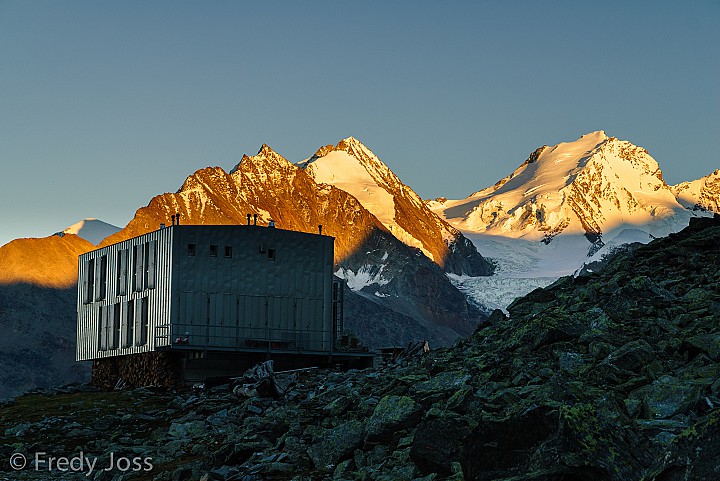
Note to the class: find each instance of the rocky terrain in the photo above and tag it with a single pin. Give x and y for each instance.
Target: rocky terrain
(610, 376)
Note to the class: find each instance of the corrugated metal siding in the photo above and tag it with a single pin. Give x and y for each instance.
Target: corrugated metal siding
(89, 323)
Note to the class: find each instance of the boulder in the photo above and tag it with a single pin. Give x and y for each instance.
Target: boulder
(669, 396)
(392, 413)
(437, 443)
(336, 444)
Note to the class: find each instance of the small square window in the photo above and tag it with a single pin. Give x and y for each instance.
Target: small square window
(191, 250)
(213, 251)
(228, 251)
(271, 254)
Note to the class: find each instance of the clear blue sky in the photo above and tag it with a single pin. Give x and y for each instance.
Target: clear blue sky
(105, 104)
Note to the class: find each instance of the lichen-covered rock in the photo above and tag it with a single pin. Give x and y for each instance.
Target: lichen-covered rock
(335, 444)
(391, 413)
(669, 396)
(437, 443)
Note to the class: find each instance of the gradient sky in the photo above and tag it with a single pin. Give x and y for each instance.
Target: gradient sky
(106, 104)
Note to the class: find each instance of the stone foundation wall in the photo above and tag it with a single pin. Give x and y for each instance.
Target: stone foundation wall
(159, 369)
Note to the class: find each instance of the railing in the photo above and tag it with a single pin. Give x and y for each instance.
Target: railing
(223, 337)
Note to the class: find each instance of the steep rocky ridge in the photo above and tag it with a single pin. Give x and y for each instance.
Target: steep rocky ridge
(354, 168)
(398, 277)
(703, 193)
(606, 377)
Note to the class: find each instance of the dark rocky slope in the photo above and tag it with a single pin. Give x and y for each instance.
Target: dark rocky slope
(608, 377)
(37, 340)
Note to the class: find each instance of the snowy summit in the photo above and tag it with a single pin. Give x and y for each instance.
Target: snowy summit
(92, 230)
(591, 186)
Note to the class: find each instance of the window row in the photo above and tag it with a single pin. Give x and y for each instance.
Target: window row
(118, 329)
(192, 250)
(136, 267)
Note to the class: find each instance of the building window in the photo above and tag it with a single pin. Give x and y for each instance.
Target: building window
(129, 324)
(271, 254)
(144, 319)
(115, 327)
(101, 329)
(122, 272)
(228, 251)
(191, 250)
(138, 267)
(90, 281)
(213, 251)
(150, 261)
(102, 291)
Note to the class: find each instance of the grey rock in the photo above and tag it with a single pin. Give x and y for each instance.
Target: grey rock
(391, 413)
(336, 444)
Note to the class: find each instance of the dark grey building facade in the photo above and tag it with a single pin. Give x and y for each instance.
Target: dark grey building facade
(202, 289)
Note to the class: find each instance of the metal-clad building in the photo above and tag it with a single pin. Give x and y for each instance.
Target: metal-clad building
(198, 288)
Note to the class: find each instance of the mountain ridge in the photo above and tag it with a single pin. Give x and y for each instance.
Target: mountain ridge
(590, 186)
(700, 194)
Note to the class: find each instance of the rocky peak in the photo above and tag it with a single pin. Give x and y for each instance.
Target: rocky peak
(322, 151)
(265, 159)
(202, 178)
(350, 144)
(535, 155)
(700, 194)
(354, 168)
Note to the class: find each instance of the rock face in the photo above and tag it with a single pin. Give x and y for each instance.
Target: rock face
(380, 270)
(604, 377)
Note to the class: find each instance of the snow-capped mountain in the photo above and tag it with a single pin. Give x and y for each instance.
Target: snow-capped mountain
(397, 293)
(92, 230)
(703, 193)
(568, 205)
(354, 168)
(591, 186)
